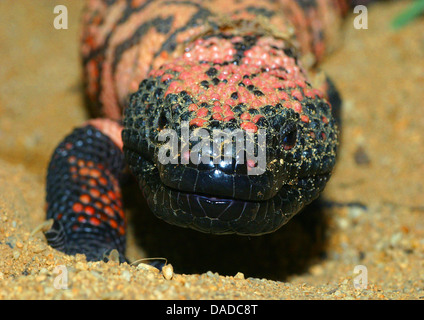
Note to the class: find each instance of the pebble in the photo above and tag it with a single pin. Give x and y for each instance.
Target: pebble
(147, 267)
(16, 254)
(168, 271)
(210, 274)
(126, 275)
(355, 212)
(239, 276)
(40, 278)
(395, 239)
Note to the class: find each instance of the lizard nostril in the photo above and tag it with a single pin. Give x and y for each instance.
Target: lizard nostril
(289, 137)
(162, 121)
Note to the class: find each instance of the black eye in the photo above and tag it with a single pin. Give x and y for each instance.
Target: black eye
(288, 137)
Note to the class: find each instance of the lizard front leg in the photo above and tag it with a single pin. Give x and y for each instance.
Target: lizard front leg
(83, 193)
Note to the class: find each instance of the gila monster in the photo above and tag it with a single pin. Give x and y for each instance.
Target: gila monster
(233, 65)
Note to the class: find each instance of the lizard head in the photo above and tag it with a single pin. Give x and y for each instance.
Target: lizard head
(230, 137)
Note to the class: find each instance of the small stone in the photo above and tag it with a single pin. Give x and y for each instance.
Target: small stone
(239, 276)
(168, 271)
(343, 223)
(210, 274)
(16, 254)
(394, 239)
(147, 267)
(126, 275)
(40, 278)
(355, 212)
(361, 157)
(316, 270)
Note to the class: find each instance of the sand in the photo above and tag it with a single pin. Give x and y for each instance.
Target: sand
(370, 221)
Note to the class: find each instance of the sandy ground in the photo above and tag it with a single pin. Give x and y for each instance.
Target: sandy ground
(380, 173)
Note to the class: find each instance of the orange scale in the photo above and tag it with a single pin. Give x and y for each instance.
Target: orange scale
(324, 119)
(104, 198)
(304, 118)
(249, 127)
(197, 122)
(77, 207)
(111, 195)
(90, 163)
(89, 210)
(113, 224)
(68, 145)
(228, 113)
(103, 181)
(95, 173)
(192, 107)
(84, 171)
(245, 116)
(217, 116)
(297, 106)
(202, 112)
(217, 109)
(98, 205)
(72, 159)
(95, 221)
(109, 211)
(94, 193)
(256, 104)
(85, 198)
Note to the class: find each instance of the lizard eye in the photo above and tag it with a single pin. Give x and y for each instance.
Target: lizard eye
(289, 137)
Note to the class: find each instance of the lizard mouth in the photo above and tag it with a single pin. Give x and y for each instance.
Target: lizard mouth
(218, 214)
